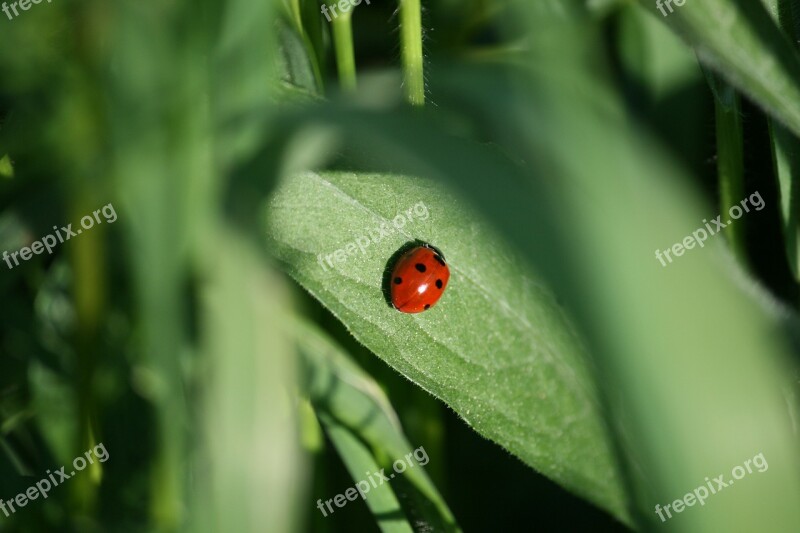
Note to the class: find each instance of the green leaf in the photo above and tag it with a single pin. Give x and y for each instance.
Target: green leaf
(497, 348)
(297, 68)
(730, 157)
(366, 431)
(381, 500)
(786, 156)
(307, 24)
(738, 39)
(786, 150)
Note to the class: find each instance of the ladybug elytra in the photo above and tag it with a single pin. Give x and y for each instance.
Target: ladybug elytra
(418, 279)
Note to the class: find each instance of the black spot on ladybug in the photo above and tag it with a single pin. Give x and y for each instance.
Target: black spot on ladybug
(420, 267)
(398, 281)
(438, 284)
(439, 259)
(427, 306)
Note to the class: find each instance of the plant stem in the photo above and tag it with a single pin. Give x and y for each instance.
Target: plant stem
(411, 42)
(730, 162)
(345, 56)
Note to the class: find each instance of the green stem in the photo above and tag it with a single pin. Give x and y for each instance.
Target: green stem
(345, 56)
(730, 162)
(411, 41)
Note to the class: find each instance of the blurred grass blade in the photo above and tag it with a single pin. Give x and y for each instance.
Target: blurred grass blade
(163, 174)
(251, 469)
(786, 156)
(367, 433)
(514, 385)
(730, 157)
(786, 148)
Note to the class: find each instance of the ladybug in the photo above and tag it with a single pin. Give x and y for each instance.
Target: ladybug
(418, 279)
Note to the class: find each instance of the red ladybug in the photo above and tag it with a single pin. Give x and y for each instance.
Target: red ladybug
(419, 279)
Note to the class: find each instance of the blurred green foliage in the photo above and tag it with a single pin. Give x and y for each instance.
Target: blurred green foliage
(234, 383)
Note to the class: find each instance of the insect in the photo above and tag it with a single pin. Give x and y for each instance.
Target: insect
(418, 279)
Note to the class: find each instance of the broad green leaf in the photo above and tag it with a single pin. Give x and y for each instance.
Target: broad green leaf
(693, 369)
(366, 431)
(497, 348)
(739, 40)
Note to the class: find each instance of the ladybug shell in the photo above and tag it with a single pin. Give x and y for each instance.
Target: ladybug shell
(418, 280)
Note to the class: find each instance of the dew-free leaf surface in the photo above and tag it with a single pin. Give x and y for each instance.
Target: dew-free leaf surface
(497, 348)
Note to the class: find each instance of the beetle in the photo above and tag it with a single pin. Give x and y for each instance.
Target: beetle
(419, 278)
